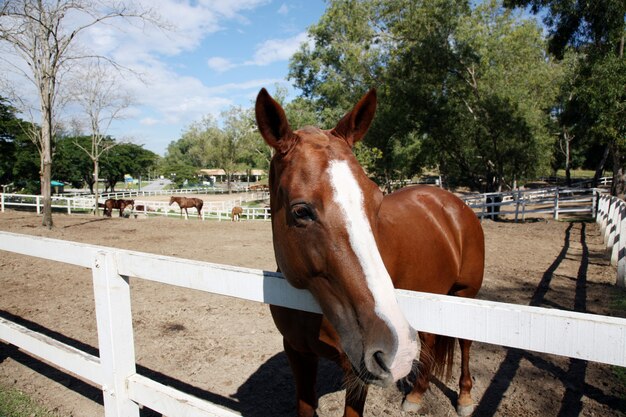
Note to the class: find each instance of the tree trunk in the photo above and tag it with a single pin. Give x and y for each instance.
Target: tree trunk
(46, 166)
(568, 165)
(600, 167)
(619, 179)
(96, 172)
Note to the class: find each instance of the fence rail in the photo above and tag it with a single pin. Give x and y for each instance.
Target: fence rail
(577, 335)
(518, 204)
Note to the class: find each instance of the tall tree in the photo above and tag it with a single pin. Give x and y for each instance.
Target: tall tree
(72, 164)
(43, 35)
(461, 89)
(9, 130)
(230, 149)
(596, 30)
(95, 89)
(126, 158)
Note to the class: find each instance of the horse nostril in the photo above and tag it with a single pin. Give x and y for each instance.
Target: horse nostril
(378, 357)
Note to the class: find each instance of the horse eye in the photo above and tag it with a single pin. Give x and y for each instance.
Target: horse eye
(302, 212)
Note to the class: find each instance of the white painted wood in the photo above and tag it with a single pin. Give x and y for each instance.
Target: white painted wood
(115, 335)
(249, 284)
(52, 249)
(76, 361)
(621, 252)
(609, 222)
(171, 402)
(619, 218)
(577, 335)
(559, 332)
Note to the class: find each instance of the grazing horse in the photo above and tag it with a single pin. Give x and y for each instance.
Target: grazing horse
(235, 213)
(186, 202)
(121, 205)
(336, 235)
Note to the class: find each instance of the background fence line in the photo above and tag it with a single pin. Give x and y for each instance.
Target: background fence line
(518, 204)
(577, 335)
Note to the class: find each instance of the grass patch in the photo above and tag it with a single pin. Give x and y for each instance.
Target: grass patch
(14, 403)
(581, 173)
(620, 374)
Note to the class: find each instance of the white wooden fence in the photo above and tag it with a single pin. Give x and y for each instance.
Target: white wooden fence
(576, 335)
(518, 204)
(219, 210)
(611, 217)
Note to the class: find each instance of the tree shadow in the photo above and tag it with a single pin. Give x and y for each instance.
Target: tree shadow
(573, 379)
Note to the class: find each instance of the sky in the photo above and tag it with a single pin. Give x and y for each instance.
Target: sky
(220, 54)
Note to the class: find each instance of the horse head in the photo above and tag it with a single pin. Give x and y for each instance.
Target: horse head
(172, 199)
(324, 213)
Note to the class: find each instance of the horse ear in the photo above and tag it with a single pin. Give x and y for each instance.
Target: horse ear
(272, 122)
(353, 126)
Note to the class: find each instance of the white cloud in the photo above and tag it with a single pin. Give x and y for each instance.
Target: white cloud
(273, 50)
(220, 64)
(283, 10)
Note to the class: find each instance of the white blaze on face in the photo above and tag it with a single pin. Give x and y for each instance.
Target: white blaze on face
(349, 197)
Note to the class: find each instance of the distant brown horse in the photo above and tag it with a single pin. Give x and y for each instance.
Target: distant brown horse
(186, 202)
(336, 235)
(235, 213)
(121, 205)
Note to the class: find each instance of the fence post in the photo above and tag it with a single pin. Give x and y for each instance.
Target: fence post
(556, 204)
(616, 237)
(609, 222)
(115, 335)
(69, 206)
(2, 201)
(517, 203)
(37, 198)
(621, 251)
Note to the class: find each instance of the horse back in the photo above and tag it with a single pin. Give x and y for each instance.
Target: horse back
(431, 241)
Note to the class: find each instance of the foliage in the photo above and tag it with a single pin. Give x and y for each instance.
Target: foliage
(464, 90)
(595, 32)
(126, 158)
(71, 164)
(579, 23)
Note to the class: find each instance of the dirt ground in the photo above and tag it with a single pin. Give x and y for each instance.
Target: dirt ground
(228, 351)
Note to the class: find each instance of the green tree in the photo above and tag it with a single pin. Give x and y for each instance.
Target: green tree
(232, 147)
(72, 164)
(498, 95)
(126, 158)
(9, 130)
(465, 90)
(596, 31)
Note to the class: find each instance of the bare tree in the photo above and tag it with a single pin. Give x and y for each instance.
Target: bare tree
(43, 35)
(95, 90)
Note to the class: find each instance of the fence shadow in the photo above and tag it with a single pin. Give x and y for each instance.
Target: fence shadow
(573, 378)
(269, 392)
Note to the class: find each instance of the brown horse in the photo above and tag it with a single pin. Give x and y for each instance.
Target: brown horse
(186, 202)
(336, 235)
(121, 205)
(235, 213)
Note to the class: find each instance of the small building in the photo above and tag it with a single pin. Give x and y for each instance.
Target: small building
(219, 175)
(57, 187)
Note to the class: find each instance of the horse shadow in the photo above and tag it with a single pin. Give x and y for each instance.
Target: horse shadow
(270, 391)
